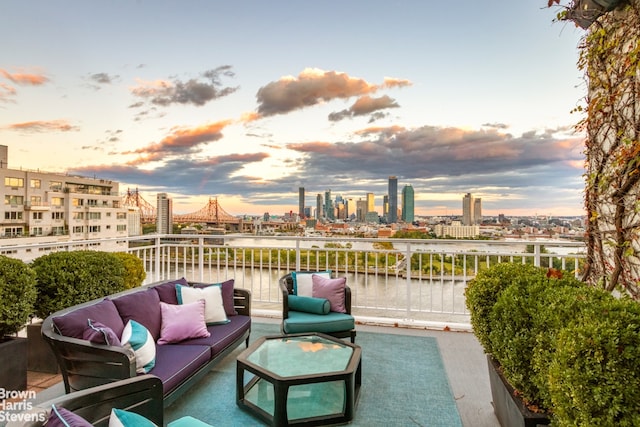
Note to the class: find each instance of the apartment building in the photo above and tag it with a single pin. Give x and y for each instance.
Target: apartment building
(41, 207)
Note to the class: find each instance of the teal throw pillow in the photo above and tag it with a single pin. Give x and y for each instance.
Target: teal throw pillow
(309, 304)
(122, 418)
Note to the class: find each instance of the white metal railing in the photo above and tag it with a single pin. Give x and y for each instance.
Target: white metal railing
(392, 279)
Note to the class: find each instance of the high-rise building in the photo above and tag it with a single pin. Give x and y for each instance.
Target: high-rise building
(477, 211)
(385, 206)
(407, 204)
(319, 206)
(467, 209)
(361, 210)
(370, 203)
(329, 212)
(301, 202)
(164, 220)
(392, 217)
(49, 206)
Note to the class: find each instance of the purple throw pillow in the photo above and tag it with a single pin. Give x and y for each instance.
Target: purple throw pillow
(331, 289)
(98, 333)
(61, 417)
(167, 291)
(74, 323)
(143, 307)
(181, 322)
(227, 295)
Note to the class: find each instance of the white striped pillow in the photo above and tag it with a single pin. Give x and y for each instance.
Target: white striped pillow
(138, 338)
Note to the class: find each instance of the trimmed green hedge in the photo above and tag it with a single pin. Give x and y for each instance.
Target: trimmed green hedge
(17, 295)
(134, 267)
(570, 349)
(65, 279)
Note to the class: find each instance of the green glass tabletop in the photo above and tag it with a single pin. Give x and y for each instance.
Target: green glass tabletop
(301, 355)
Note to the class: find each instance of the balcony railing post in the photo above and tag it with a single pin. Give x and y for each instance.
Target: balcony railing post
(407, 258)
(157, 263)
(201, 257)
(298, 255)
(536, 254)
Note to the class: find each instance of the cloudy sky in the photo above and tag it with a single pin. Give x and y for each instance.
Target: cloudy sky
(246, 101)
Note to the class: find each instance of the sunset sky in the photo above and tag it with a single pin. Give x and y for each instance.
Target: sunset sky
(246, 101)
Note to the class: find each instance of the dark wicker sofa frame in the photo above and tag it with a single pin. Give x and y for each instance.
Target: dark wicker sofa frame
(286, 287)
(84, 364)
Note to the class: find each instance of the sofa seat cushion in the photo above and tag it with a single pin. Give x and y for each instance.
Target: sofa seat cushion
(177, 362)
(223, 335)
(74, 323)
(143, 307)
(167, 291)
(299, 322)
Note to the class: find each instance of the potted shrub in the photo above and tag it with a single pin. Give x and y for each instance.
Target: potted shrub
(134, 269)
(558, 350)
(17, 296)
(64, 279)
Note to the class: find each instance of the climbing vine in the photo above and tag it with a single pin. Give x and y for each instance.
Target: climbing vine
(610, 59)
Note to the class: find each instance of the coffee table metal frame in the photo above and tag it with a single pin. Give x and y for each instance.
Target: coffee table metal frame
(351, 375)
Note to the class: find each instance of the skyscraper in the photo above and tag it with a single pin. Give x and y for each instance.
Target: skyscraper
(319, 206)
(393, 200)
(301, 202)
(164, 221)
(467, 209)
(407, 204)
(370, 203)
(328, 206)
(477, 211)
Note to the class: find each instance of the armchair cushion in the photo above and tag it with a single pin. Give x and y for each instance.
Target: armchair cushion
(302, 284)
(331, 289)
(309, 304)
(299, 322)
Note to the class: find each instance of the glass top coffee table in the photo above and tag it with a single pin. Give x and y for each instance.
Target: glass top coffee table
(309, 379)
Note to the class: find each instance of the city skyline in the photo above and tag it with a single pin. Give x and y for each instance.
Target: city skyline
(249, 102)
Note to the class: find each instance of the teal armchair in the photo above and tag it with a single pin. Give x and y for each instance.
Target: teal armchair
(301, 314)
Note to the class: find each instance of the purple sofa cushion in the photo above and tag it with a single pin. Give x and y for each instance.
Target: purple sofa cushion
(177, 362)
(74, 323)
(227, 295)
(223, 335)
(143, 307)
(167, 291)
(97, 333)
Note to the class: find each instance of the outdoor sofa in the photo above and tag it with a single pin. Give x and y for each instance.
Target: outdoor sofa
(84, 338)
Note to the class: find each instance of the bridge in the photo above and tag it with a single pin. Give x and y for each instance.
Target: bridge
(212, 214)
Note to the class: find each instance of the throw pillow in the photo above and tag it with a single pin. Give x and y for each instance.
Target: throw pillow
(309, 304)
(122, 418)
(181, 322)
(98, 333)
(61, 417)
(214, 313)
(302, 284)
(331, 289)
(227, 295)
(138, 338)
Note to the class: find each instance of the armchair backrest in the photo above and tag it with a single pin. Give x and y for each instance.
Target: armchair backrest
(287, 288)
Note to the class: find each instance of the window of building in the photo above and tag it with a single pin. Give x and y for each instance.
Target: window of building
(55, 185)
(78, 215)
(57, 215)
(13, 215)
(92, 202)
(57, 201)
(35, 183)
(12, 199)
(94, 229)
(108, 214)
(121, 215)
(78, 229)
(37, 215)
(13, 182)
(12, 231)
(77, 202)
(57, 231)
(35, 200)
(116, 204)
(93, 215)
(121, 227)
(36, 231)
